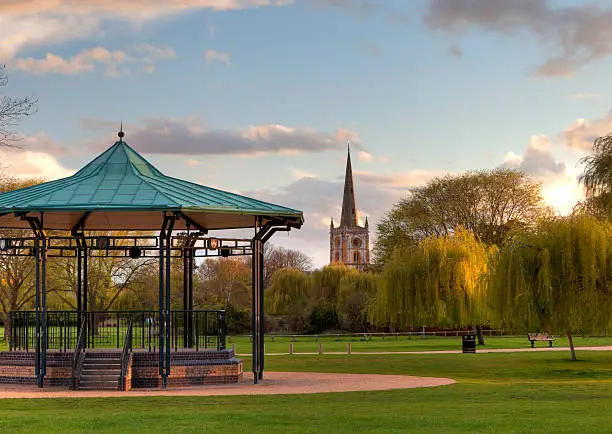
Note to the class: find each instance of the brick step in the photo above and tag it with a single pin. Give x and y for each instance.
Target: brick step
(99, 387)
(100, 380)
(99, 376)
(104, 361)
(114, 371)
(101, 366)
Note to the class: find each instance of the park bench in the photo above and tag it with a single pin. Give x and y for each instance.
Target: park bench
(533, 337)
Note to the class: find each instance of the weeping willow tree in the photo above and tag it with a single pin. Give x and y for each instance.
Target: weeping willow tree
(289, 292)
(326, 281)
(356, 291)
(556, 279)
(597, 177)
(441, 281)
(289, 295)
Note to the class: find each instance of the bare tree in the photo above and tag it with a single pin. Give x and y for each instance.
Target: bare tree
(276, 258)
(12, 111)
(225, 281)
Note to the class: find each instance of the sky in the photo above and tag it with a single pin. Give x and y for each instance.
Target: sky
(260, 97)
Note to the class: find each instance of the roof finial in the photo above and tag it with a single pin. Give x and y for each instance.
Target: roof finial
(121, 133)
(348, 144)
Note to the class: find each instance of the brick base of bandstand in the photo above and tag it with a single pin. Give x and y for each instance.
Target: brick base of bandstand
(187, 367)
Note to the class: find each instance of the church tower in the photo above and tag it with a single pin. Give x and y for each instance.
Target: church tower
(349, 243)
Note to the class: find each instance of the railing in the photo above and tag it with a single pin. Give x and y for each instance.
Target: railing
(367, 336)
(198, 329)
(78, 355)
(125, 357)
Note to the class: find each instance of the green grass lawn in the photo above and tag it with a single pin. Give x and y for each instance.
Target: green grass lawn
(534, 392)
(331, 344)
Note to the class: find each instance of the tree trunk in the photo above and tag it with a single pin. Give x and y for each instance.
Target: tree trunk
(571, 343)
(8, 326)
(480, 335)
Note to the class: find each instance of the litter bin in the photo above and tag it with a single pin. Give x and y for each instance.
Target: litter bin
(469, 343)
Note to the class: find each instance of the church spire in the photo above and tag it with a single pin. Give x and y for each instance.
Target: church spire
(349, 211)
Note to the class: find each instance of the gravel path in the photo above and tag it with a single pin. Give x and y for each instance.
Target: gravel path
(274, 383)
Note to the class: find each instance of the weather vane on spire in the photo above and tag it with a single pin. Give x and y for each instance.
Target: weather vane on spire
(121, 133)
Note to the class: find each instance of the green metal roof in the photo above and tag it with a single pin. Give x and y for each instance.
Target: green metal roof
(119, 189)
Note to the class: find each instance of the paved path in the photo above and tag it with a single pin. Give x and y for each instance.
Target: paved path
(479, 350)
(274, 383)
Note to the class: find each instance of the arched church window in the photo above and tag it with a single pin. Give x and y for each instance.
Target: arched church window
(356, 242)
(356, 258)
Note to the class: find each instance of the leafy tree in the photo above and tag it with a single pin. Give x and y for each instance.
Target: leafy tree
(326, 281)
(12, 111)
(108, 278)
(357, 289)
(17, 288)
(290, 296)
(556, 279)
(492, 204)
(441, 281)
(289, 293)
(597, 177)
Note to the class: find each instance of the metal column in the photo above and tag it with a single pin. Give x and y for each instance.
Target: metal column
(263, 234)
(168, 245)
(164, 297)
(40, 255)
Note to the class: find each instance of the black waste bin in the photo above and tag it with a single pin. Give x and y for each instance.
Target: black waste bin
(469, 343)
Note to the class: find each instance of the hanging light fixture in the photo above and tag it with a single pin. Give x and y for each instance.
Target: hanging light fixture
(5, 243)
(103, 242)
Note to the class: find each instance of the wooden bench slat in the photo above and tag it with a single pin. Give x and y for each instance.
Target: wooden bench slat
(533, 337)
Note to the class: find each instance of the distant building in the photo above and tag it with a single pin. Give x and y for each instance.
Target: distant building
(349, 243)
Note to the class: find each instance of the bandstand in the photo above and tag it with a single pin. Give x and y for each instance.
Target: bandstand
(120, 205)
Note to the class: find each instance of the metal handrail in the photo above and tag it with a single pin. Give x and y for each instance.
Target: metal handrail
(197, 329)
(77, 356)
(125, 355)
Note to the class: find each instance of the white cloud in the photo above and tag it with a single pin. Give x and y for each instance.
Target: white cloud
(152, 53)
(190, 136)
(581, 134)
(321, 200)
(115, 62)
(35, 158)
(365, 156)
(33, 23)
(537, 160)
(41, 142)
(217, 56)
(581, 96)
(398, 180)
(575, 34)
(28, 164)
(300, 173)
(560, 187)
